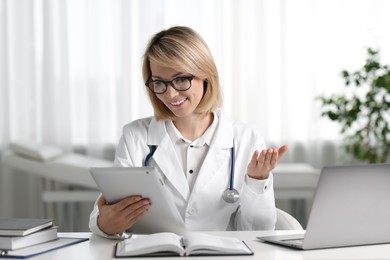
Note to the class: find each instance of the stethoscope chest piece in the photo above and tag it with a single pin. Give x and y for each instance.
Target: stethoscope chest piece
(230, 196)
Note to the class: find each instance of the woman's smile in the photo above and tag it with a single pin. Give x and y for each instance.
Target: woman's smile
(178, 103)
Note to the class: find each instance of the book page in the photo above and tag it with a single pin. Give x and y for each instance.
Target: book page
(150, 244)
(204, 244)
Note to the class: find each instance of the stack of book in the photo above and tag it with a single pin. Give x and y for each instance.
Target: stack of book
(16, 233)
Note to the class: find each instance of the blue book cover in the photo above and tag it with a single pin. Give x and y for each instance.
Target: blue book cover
(41, 248)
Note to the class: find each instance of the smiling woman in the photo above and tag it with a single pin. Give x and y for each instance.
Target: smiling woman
(70, 72)
(192, 145)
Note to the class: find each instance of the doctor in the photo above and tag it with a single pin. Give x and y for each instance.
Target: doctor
(218, 171)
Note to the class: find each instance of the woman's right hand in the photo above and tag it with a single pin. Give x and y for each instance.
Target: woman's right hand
(118, 217)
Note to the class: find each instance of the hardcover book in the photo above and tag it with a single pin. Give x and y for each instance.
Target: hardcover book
(22, 226)
(16, 242)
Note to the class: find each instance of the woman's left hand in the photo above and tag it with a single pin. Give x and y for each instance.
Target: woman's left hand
(263, 163)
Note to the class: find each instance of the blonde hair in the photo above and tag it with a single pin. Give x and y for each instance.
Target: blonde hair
(183, 49)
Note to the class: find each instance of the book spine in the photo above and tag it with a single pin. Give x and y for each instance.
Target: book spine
(183, 245)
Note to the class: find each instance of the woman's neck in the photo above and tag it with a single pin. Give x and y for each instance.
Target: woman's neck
(194, 126)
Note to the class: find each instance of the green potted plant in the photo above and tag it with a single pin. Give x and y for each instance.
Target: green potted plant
(363, 110)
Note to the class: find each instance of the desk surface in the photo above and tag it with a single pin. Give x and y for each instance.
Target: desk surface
(100, 248)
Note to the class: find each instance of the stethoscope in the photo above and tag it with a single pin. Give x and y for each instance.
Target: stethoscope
(230, 195)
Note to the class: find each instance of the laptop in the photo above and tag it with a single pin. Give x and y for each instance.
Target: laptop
(351, 207)
(117, 183)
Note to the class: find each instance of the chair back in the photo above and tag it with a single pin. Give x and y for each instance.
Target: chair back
(285, 221)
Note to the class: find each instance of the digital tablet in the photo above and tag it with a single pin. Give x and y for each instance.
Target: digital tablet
(117, 183)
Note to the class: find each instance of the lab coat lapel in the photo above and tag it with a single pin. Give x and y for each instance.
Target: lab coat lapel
(219, 154)
(165, 157)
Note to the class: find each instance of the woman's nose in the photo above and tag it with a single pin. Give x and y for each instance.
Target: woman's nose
(171, 92)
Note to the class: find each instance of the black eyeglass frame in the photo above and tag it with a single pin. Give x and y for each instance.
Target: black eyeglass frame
(170, 82)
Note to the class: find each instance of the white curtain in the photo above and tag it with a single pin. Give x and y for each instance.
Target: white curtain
(70, 71)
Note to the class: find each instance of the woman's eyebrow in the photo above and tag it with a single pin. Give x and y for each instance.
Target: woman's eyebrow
(172, 77)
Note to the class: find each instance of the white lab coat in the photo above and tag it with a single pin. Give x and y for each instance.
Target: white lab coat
(203, 209)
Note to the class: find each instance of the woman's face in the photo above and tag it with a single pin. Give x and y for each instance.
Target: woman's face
(181, 103)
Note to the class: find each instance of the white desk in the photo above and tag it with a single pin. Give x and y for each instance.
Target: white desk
(100, 248)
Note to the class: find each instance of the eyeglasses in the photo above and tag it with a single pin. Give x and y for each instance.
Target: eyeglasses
(161, 86)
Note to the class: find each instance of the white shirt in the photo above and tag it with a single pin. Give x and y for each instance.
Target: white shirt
(191, 154)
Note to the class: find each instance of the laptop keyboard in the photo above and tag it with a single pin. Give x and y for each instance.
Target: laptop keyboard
(296, 241)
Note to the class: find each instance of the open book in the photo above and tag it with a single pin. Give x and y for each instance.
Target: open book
(167, 243)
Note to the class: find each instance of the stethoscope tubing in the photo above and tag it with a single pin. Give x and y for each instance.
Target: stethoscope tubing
(231, 184)
(150, 154)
